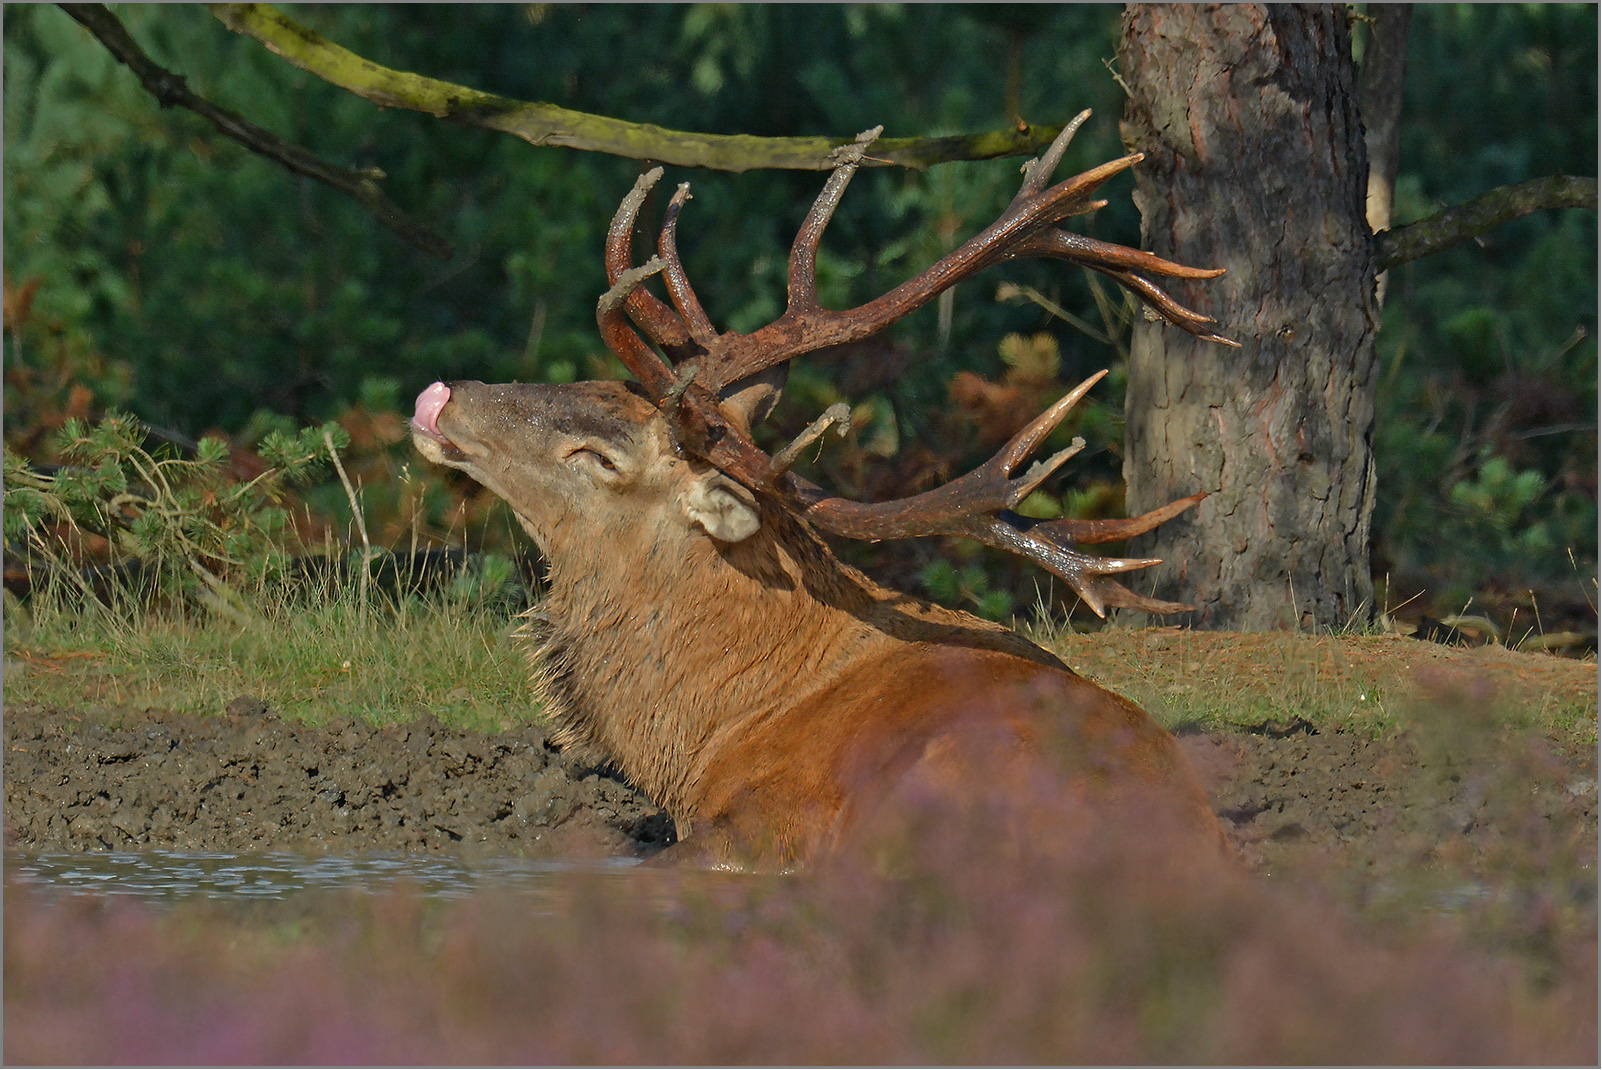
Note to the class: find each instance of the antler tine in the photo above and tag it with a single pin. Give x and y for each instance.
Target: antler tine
(1068, 197)
(678, 284)
(1168, 308)
(803, 275)
(1066, 245)
(648, 367)
(1088, 576)
(1038, 172)
(978, 505)
(621, 230)
(1094, 531)
(837, 416)
(962, 506)
(653, 316)
(1024, 442)
(1122, 265)
(805, 329)
(1040, 471)
(1024, 229)
(698, 423)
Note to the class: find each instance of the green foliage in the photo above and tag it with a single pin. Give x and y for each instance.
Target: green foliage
(1499, 496)
(1485, 435)
(187, 521)
(487, 580)
(219, 285)
(967, 587)
(1503, 519)
(177, 276)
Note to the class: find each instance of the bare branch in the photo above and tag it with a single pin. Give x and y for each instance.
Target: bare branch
(1457, 224)
(169, 89)
(546, 124)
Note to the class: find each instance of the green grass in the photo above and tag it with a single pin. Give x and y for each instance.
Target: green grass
(316, 655)
(308, 658)
(1357, 682)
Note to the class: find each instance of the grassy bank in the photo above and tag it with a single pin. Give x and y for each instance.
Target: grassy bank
(1367, 683)
(454, 655)
(309, 657)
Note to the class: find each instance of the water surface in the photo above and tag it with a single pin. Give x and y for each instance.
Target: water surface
(160, 876)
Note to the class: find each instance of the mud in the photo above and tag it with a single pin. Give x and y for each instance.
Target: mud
(1356, 807)
(249, 782)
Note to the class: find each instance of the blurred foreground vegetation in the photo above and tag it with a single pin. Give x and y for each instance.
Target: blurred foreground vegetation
(1132, 951)
(154, 268)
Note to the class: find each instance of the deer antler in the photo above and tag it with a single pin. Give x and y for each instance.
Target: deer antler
(708, 367)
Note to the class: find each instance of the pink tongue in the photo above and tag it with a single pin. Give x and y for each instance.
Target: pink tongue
(429, 404)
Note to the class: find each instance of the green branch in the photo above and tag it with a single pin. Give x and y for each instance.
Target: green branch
(547, 124)
(169, 89)
(1459, 223)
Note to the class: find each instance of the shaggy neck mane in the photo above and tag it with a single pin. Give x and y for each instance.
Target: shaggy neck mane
(657, 663)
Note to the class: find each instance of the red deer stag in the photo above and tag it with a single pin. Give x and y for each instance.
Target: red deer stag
(701, 636)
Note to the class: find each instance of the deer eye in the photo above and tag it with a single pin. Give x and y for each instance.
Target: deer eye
(593, 455)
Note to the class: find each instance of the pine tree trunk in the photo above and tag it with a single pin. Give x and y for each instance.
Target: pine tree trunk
(1254, 162)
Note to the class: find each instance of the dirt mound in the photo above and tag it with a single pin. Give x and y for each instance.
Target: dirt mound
(250, 782)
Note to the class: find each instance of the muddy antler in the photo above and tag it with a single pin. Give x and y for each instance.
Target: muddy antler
(720, 383)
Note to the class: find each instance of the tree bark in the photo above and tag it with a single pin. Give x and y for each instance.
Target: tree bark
(1254, 162)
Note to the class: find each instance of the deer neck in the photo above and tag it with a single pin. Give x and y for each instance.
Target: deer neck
(653, 654)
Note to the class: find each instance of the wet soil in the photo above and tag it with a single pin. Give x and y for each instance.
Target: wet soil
(1355, 807)
(250, 782)
(1287, 794)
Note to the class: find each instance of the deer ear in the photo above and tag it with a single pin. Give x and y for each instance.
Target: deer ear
(726, 510)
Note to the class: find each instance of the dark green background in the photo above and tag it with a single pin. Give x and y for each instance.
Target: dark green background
(205, 288)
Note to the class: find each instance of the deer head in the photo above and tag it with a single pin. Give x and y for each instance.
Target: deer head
(718, 384)
(683, 432)
(598, 451)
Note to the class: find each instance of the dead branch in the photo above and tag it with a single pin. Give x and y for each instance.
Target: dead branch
(1455, 225)
(170, 89)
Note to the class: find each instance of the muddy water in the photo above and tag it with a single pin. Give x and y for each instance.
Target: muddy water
(159, 876)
